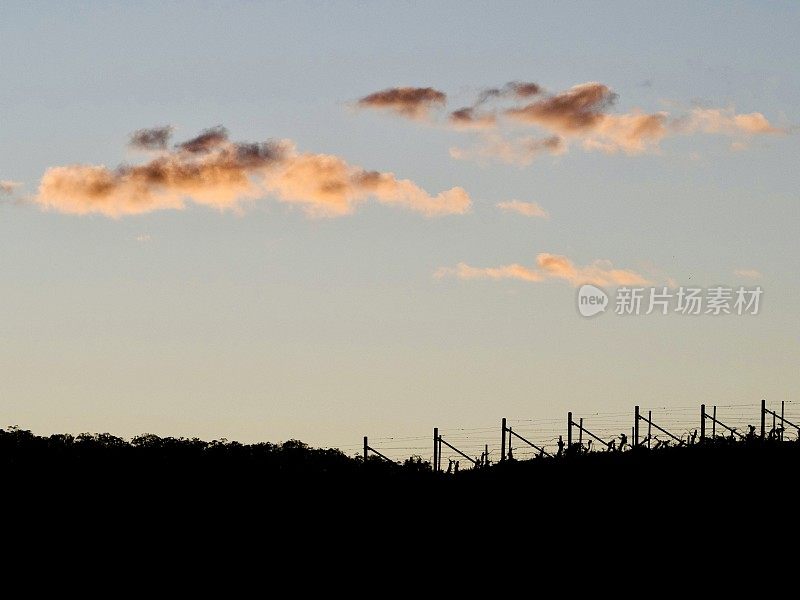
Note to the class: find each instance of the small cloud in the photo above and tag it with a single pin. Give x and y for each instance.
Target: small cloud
(464, 271)
(151, 139)
(142, 238)
(471, 118)
(748, 273)
(9, 187)
(410, 102)
(528, 209)
(548, 266)
(738, 146)
(725, 121)
(519, 151)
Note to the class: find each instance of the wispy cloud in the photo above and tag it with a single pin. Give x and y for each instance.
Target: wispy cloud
(549, 266)
(748, 273)
(725, 121)
(527, 209)
(472, 118)
(212, 170)
(520, 151)
(464, 271)
(409, 102)
(9, 187)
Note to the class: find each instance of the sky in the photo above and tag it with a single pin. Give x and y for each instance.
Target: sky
(388, 212)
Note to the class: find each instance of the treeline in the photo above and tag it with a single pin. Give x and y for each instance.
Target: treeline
(21, 449)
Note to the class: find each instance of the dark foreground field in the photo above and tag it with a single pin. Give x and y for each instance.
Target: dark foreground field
(149, 467)
(161, 495)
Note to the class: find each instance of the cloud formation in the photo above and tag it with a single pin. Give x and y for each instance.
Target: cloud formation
(583, 114)
(527, 209)
(8, 187)
(549, 266)
(410, 102)
(748, 273)
(154, 138)
(213, 171)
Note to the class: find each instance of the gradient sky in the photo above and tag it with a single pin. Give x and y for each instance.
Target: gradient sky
(265, 323)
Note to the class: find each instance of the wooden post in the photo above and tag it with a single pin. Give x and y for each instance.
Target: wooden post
(714, 424)
(763, 417)
(503, 440)
(569, 430)
(486, 455)
(580, 435)
(649, 428)
(366, 449)
(783, 427)
(510, 453)
(636, 426)
(702, 423)
(435, 449)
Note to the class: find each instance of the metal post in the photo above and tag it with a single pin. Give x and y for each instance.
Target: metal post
(569, 430)
(503, 441)
(702, 423)
(714, 424)
(763, 417)
(435, 449)
(649, 428)
(783, 427)
(366, 449)
(510, 453)
(580, 435)
(636, 426)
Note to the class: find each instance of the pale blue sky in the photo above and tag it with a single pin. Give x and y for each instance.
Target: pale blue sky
(269, 325)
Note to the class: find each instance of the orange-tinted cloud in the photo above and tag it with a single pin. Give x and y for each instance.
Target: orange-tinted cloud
(527, 209)
(8, 187)
(725, 121)
(464, 271)
(549, 266)
(409, 102)
(213, 171)
(577, 109)
(326, 185)
(516, 151)
(582, 114)
(631, 133)
(582, 111)
(748, 273)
